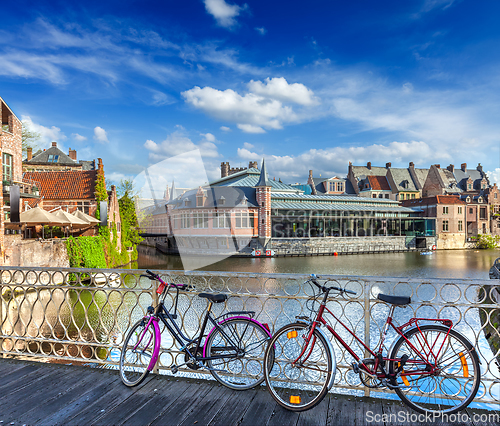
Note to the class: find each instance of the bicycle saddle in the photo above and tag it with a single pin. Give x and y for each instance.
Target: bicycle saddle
(216, 298)
(395, 300)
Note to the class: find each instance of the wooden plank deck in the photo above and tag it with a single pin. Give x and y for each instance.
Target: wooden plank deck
(34, 393)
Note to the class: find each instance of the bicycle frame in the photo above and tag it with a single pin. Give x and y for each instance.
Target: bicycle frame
(168, 319)
(377, 355)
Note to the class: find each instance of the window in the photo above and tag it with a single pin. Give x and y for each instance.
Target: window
(185, 222)
(460, 225)
(386, 195)
(83, 206)
(200, 220)
(459, 210)
(53, 158)
(7, 167)
(495, 196)
(244, 219)
(482, 213)
(471, 210)
(331, 186)
(413, 196)
(374, 195)
(469, 186)
(445, 226)
(221, 220)
(445, 209)
(340, 186)
(402, 196)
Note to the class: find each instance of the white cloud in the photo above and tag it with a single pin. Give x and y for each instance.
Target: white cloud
(334, 161)
(250, 128)
(47, 134)
(78, 138)
(100, 135)
(278, 88)
(225, 129)
(208, 136)
(258, 110)
(248, 145)
(494, 176)
(178, 143)
(261, 30)
(225, 14)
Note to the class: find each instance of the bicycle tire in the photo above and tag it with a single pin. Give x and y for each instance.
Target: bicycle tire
(297, 388)
(429, 394)
(134, 362)
(244, 370)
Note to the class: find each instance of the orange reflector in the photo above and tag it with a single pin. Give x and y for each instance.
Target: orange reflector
(294, 399)
(464, 364)
(403, 377)
(291, 335)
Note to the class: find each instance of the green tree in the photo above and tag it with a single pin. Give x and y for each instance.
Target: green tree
(29, 138)
(126, 187)
(130, 226)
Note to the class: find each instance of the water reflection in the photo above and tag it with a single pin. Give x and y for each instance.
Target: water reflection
(473, 264)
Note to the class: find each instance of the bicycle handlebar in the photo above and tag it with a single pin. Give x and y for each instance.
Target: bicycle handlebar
(314, 279)
(153, 276)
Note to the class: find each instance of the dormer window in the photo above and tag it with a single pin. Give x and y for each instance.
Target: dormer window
(467, 200)
(222, 200)
(480, 200)
(53, 158)
(187, 202)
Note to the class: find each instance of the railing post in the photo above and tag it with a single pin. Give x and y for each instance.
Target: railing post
(156, 300)
(367, 324)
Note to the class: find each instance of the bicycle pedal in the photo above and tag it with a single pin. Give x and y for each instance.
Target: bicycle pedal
(174, 369)
(355, 367)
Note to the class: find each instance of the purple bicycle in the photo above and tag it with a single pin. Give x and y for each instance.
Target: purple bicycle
(233, 350)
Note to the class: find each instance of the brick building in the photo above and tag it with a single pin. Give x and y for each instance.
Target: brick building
(472, 186)
(53, 159)
(450, 214)
(400, 183)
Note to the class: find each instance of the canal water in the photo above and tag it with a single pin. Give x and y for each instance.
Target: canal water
(473, 264)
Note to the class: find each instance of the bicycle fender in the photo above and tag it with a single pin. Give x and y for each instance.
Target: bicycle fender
(156, 351)
(332, 354)
(232, 318)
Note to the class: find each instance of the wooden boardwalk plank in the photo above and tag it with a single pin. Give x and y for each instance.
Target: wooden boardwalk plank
(167, 392)
(68, 392)
(235, 407)
(316, 416)
(260, 409)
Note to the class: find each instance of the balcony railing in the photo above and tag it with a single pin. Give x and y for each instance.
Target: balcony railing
(27, 187)
(78, 315)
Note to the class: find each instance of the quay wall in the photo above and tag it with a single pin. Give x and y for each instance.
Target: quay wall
(42, 253)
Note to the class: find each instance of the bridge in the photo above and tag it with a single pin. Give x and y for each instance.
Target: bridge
(55, 394)
(80, 316)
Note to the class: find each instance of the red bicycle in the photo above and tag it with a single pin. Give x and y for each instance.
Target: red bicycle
(431, 367)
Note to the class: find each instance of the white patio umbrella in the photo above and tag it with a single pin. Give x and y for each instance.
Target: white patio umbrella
(75, 222)
(85, 217)
(39, 216)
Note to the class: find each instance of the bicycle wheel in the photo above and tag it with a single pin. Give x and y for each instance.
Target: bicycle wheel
(455, 381)
(298, 384)
(243, 343)
(136, 353)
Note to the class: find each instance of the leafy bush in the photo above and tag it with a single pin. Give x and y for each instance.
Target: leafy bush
(484, 241)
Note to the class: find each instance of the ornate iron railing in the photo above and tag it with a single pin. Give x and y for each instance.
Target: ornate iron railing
(80, 315)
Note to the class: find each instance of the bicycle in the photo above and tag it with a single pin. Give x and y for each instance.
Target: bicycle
(431, 367)
(232, 351)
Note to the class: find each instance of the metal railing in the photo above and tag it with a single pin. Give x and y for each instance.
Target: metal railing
(81, 315)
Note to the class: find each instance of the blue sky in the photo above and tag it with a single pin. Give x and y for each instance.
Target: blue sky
(307, 85)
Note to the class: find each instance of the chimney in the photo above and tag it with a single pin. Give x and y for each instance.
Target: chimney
(451, 168)
(100, 167)
(463, 167)
(54, 144)
(369, 165)
(253, 165)
(387, 165)
(29, 150)
(411, 165)
(438, 166)
(479, 168)
(72, 154)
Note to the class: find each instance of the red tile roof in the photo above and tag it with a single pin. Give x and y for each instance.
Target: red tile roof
(437, 199)
(379, 183)
(68, 185)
